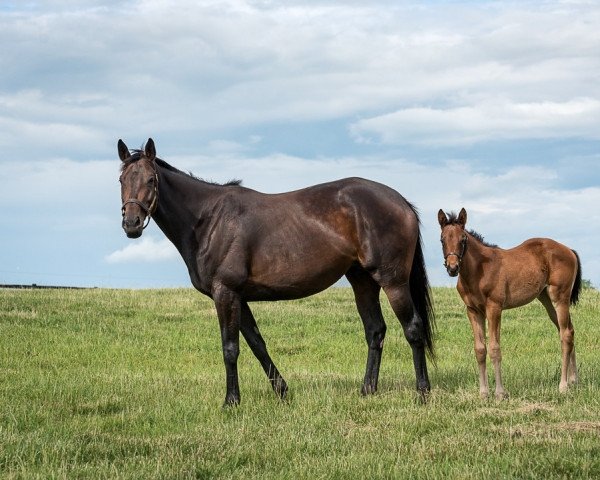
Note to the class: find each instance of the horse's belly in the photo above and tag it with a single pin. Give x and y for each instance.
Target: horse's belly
(291, 284)
(290, 275)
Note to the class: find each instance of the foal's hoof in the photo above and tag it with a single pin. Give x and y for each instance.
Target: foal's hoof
(563, 388)
(502, 396)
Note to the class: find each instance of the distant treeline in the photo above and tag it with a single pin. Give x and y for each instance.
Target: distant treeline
(35, 285)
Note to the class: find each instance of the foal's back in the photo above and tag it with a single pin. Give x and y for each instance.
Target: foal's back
(531, 267)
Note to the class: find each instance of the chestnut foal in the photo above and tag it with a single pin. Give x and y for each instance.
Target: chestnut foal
(491, 279)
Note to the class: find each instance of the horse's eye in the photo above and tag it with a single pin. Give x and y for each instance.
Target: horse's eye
(151, 181)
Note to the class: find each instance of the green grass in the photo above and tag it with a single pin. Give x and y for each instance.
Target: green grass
(129, 384)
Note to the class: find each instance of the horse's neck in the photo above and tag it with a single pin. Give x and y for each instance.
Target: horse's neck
(181, 201)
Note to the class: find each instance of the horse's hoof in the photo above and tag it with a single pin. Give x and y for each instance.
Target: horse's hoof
(231, 402)
(280, 388)
(423, 395)
(484, 394)
(368, 389)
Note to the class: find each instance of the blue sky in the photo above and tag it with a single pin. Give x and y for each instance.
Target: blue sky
(491, 106)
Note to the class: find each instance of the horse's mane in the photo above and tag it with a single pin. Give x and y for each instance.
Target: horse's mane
(453, 220)
(137, 155)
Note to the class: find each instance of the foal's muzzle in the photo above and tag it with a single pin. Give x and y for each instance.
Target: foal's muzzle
(453, 270)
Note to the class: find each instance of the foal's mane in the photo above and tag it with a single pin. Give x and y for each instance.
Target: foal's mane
(453, 220)
(137, 155)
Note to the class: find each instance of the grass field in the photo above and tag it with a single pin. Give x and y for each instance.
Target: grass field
(129, 384)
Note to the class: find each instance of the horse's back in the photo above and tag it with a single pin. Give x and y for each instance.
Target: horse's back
(305, 240)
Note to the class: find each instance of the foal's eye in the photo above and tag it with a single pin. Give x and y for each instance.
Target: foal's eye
(151, 181)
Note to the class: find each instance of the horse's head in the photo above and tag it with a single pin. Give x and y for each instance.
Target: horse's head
(454, 240)
(139, 187)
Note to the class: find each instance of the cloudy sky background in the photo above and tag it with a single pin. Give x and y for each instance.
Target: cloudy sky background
(494, 106)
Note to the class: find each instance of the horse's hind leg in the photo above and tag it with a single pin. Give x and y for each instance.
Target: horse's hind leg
(401, 302)
(256, 343)
(557, 306)
(366, 295)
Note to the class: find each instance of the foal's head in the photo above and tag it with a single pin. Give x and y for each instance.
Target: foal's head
(454, 239)
(139, 187)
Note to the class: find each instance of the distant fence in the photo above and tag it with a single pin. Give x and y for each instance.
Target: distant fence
(36, 286)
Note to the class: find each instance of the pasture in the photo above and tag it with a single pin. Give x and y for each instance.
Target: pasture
(129, 384)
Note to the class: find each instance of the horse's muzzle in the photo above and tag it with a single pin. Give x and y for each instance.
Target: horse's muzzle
(133, 226)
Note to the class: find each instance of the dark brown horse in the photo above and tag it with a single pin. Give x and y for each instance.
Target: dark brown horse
(240, 245)
(491, 279)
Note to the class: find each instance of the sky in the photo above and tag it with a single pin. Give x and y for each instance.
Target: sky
(493, 106)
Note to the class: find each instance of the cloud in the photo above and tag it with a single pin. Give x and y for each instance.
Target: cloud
(420, 68)
(287, 94)
(489, 120)
(145, 250)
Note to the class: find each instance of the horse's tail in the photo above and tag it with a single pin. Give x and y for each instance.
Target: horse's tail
(577, 284)
(421, 297)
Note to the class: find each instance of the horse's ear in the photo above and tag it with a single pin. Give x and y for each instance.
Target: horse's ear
(150, 150)
(123, 150)
(442, 218)
(462, 217)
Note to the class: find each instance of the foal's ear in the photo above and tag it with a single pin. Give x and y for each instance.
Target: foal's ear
(462, 217)
(150, 150)
(442, 218)
(123, 150)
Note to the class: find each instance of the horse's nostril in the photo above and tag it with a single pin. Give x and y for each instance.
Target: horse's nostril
(138, 222)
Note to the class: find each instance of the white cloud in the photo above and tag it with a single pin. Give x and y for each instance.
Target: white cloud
(489, 120)
(144, 250)
(215, 82)
(204, 66)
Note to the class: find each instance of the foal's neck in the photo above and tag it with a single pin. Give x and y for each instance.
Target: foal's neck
(475, 253)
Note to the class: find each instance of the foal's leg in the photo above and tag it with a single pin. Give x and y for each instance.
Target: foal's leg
(229, 308)
(560, 301)
(257, 345)
(494, 316)
(366, 295)
(572, 376)
(478, 326)
(401, 302)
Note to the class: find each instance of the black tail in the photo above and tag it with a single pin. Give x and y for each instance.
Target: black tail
(421, 297)
(577, 284)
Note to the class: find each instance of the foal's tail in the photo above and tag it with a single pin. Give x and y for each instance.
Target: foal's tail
(577, 284)
(421, 297)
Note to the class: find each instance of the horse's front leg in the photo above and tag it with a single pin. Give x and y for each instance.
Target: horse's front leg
(494, 316)
(478, 326)
(228, 304)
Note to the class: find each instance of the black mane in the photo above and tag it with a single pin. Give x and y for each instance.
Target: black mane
(453, 220)
(137, 155)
